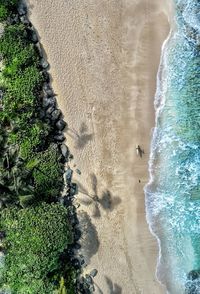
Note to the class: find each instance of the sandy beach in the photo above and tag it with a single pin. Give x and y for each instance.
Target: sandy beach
(104, 57)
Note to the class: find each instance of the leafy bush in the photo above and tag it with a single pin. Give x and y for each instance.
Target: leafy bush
(34, 137)
(13, 41)
(31, 175)
(4, 13)
(35, 239)
(48, 176)
(24, 58)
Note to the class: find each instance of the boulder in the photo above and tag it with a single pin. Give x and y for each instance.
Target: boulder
(47, 102)
(44, 64)
(78, 171)
(39, 49)
(41, 113)
(22, 10)
(46, 76)
(50, 109)
(88, 280)
(61, 124)
(32, 35)
(48, 90)
(68, 175)
(93, 273)
(193, 275)
(64, 150)
(77, 234)
(77, 246)
(24, 19)
(73, 189)
(56, 114)
(59, 137)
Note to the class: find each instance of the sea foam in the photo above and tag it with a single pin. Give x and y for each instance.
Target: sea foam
(173, 191)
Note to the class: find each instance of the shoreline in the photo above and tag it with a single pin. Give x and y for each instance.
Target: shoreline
(114, 90)
(152, 152)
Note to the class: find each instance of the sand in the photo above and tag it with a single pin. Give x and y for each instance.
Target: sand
(104, 56)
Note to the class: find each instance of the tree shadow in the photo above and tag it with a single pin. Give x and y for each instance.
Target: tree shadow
(89, 240)
(114, 288)
(82, 137)
(104, 201)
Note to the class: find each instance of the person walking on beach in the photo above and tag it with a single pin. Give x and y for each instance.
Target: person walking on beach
(139, 151)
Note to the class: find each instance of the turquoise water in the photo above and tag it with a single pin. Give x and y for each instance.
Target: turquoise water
(173, 194)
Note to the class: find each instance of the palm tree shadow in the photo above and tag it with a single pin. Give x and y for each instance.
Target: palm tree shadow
(82, 137)
(89, 239)
(105, 201)
(114, 288)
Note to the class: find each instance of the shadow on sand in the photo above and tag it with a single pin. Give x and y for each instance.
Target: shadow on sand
(113, 288)
(89, 239)
(82, 137)
(104, 201)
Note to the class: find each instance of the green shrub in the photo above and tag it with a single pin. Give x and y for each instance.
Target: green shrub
(9, 3)
(13, 41)
(48, 176)
(23, 59)
(35, 238)
(34, 136)
(4, 12)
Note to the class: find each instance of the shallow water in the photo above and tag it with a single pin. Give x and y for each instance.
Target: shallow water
(173, 193)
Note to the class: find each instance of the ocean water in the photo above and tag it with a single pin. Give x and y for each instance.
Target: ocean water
(173, 192)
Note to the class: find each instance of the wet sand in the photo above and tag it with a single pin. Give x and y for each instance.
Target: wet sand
(104, 56)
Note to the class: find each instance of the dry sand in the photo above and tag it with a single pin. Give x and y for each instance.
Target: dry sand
(104, 56)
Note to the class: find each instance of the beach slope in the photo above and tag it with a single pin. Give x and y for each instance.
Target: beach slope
(104, 57)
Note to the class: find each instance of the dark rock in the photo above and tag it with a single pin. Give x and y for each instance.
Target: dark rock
(61, 124)
(66, 201)
(77, 234)
(92, 288)
(22, 10)
(78, 171)
(64, 150)
(34, 37)
(193, 275)
(73, 189)
(77, 246)
(13, 19)
(50, 110)
(48, 90)
(39, 49)
(93, 273)
(71, 156)
(59, 137)
(46, 86)
(68, 175)
(2, 234)
(88, 280)
(76, 263)
(56, 114)
(47, 102)
(46, 76)
(41, 113)
(24, 19)
(44, 63)
(10, 20)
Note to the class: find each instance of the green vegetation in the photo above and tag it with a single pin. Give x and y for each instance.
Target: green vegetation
(35, 238)
(37, 228)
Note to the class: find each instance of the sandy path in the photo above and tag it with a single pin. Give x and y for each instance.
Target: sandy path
(104, 56)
